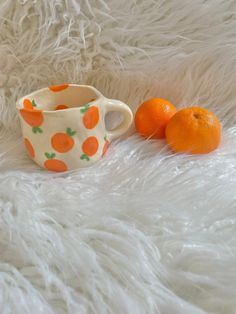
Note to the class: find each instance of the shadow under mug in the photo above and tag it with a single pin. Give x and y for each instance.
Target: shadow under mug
(64, 127)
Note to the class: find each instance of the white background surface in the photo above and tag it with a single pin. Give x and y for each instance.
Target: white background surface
(144, 230)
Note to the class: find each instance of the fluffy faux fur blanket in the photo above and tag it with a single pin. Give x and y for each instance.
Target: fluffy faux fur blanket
(144, 230)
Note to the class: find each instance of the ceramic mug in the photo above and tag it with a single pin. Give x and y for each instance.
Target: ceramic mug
(64, 126)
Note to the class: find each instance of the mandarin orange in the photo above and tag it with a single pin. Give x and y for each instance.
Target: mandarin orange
(193, 130)
(152, 117)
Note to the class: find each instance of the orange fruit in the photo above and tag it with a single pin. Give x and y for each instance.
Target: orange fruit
(152, 117)
(29, 147)
(63, 142)
(89, 147)
(53, 164)
(60, 107)
(58, 88)
(194, 130)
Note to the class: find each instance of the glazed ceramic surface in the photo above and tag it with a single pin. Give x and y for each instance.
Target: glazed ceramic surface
(64, 126)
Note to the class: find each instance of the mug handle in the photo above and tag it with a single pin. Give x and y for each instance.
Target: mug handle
(119, 106)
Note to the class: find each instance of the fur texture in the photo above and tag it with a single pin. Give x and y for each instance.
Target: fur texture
(144, 230)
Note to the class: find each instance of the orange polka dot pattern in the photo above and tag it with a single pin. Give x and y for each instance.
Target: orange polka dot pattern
(63, 142)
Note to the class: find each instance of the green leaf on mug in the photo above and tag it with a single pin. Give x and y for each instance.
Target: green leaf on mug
(70, 132)
(34, 103)
(84, 108)
(35, 130)
(50, 156)
(84, 157)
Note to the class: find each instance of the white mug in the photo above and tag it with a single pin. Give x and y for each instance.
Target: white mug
(64, 126)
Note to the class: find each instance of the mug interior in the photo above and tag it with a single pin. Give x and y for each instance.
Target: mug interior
(59, 97)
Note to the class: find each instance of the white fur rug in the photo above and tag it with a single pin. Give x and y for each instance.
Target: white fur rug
(144, 230)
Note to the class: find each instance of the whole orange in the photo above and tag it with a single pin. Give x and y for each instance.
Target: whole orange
(152, 117)
(193, 130)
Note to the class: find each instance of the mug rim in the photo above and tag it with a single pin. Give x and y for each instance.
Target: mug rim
(20, 100)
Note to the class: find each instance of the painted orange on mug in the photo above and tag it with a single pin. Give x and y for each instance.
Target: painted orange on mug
(32, 115)
(53, 164)
(34, 118)
(89, 147)
(58, 88)
(91, 117)
(61, 107)
(63, 142)
(29, 148)
(105, 146)
(28, 104)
